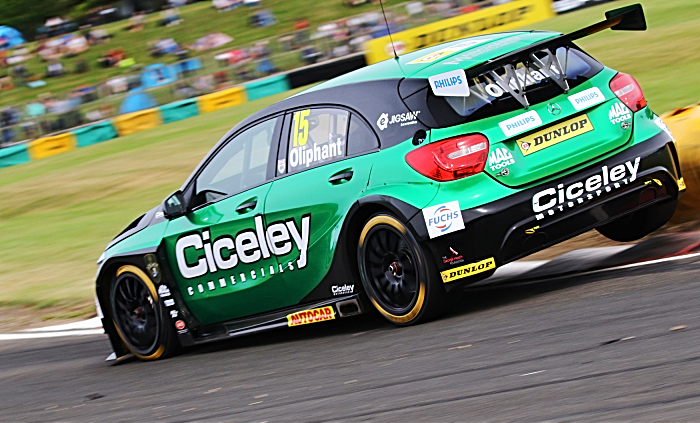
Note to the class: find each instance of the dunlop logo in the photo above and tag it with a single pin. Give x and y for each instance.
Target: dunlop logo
(468, 270)
(555, 134)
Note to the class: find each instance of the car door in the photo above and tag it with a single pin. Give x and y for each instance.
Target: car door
(218, 252)
(320, 174)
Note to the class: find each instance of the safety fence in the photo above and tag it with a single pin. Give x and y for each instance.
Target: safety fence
(130, 123)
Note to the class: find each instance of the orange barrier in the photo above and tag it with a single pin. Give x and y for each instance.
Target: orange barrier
(684, 123)
(49, 146)
(137, 121)
(221, 99)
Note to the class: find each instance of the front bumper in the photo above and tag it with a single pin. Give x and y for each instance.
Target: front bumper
(511, 228)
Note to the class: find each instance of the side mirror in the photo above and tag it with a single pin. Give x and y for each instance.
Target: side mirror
(174, 206)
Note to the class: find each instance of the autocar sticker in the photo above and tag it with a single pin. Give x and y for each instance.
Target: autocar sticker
(555, 134)
(311, 316)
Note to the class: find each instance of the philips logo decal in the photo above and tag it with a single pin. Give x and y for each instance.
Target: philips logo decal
(520, 123)
(587, 98)
(452, 83)
(443, 219)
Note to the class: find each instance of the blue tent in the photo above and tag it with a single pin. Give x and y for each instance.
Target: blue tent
(158, 74)
(137, 100)
(12, 35)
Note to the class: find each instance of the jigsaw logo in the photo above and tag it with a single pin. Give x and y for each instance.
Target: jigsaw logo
(619, 113)
(383, 121)
(443, 219)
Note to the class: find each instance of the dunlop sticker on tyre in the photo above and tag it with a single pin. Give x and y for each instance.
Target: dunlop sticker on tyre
(555, 134)
(468, 270)
(311, 316)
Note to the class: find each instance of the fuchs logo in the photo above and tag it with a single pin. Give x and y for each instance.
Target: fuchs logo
(552, 199)
(383, 121)
(619, 113)
(443, 219)
(249, 246)
(311, 316)
(342, 290)
(500, 158)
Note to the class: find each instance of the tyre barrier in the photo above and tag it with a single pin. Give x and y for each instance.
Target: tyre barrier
(50, 146)
(684, 124)
(130, 123)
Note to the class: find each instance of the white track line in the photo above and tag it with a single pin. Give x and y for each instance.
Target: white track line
(36, 335)
(84, 327)
(93, 323)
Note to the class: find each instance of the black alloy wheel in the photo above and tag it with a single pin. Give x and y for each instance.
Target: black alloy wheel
(397, 274)
(135, 313)
(390, 267)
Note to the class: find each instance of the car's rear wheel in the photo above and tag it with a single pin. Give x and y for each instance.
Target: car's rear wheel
(139, 317)
(640, 223)
(399, 277)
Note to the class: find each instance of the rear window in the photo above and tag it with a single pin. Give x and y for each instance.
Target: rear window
(489, 98)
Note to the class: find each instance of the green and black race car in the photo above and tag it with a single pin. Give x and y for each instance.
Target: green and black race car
(393, 187)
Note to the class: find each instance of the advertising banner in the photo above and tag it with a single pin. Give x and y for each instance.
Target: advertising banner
(504, 17)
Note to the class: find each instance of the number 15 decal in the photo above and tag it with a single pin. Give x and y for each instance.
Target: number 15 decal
(301, 127)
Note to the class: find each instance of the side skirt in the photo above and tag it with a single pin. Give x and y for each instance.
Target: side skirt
(346, 306)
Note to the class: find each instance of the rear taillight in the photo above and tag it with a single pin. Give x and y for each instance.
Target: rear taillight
(450, 159)
(628, 91)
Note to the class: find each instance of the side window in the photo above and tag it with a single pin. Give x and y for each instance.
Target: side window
(316, 137)
(239, 165)
(360, 137)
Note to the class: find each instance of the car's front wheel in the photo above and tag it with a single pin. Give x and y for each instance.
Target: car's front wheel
(398, 275)
(640, 223)
(138, 315)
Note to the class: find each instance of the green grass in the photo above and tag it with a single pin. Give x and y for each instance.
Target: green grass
(58, 214)
(199, 19)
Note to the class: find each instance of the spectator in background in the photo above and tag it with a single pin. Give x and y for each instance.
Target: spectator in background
(169, 16)
(137, 21)
(8, 118)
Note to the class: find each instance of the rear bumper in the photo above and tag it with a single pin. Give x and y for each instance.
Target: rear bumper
(538, 217)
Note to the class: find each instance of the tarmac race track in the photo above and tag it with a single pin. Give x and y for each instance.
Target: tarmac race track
(620, 345)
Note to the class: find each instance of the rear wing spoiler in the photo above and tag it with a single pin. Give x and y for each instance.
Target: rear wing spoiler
(628, 18)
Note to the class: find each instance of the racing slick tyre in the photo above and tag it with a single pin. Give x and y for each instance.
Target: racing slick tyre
(397, 273)
(640, 223)
(138, 316)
